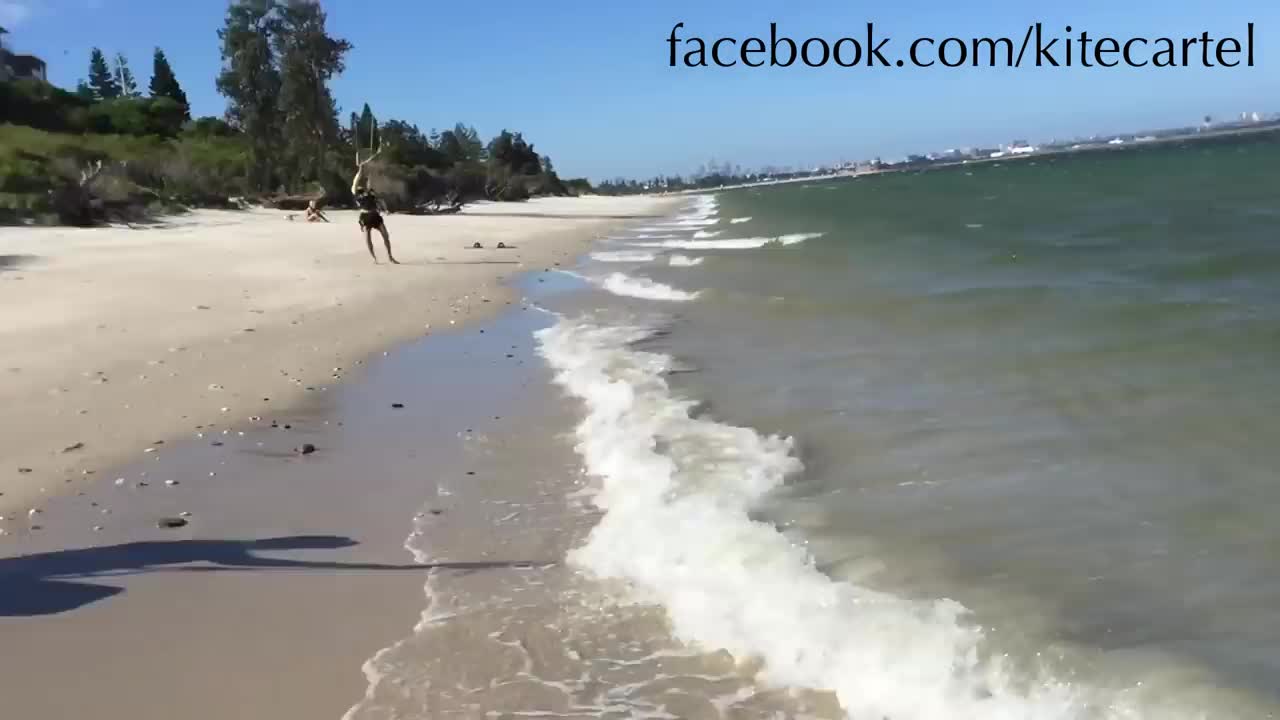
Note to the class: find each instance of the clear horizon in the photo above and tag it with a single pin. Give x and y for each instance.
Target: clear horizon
(590, 85)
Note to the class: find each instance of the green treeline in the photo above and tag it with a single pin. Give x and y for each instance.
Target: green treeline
(111, 144)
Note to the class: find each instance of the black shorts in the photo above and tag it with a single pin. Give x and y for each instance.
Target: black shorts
(370, 220)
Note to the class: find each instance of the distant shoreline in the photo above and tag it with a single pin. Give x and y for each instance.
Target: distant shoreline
(1057, 152)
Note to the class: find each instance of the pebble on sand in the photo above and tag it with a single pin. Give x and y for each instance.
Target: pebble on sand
(170, 483)
(171, 522)
(306, 449)
(398, 406)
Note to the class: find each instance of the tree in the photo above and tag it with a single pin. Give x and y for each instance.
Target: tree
(84, 91)
(165, 84)
(309, 58)
(365, 128)
(124, 78)
(404, 144)
(251, 83)
(101, 82)
(461, 144)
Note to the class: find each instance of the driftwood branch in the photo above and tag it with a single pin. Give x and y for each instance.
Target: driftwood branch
(90, 173)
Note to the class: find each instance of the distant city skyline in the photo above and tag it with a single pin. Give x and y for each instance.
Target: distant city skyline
(589, 82)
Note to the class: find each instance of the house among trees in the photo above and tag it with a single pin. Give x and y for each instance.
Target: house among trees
(16, 67)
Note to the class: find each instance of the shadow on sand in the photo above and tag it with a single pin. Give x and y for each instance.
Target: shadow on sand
(13, 262)
(55, 582)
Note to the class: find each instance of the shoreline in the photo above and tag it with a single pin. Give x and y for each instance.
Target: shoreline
(229, 309)
(292, 570)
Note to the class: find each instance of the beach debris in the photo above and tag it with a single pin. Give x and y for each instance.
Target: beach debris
(34, 512)
(119, 481)
(225, 409)
(170, 483)
(184, 514)
(73, 448)
(306, 449)
(97, 528)
(171, 522)
(24, 470)
(215, 386)
(149, 450)
(502, 246)
(435, 511)
(398, 406)
(203, 307)
(476, 246)
(216, 443)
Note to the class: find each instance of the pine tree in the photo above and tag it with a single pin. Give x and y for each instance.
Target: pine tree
(308, 59)
(84, 91)
(365, 129)
(165, 84)
(101, 82)
(251, 82)
(124, 78)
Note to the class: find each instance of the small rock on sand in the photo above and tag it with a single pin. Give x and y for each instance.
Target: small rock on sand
(306, 449)
(171, 522)
(73, 448)
(398, 406)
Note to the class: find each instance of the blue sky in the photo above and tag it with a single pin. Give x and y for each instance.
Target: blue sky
(588, 82)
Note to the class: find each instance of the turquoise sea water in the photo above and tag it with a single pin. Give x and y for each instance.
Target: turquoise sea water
(1043, 391)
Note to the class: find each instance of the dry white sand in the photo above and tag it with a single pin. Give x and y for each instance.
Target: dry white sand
(114, 338)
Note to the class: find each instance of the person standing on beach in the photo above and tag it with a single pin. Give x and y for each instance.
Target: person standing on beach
(370, 209)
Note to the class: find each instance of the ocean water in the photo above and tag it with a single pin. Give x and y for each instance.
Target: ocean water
(995, 441)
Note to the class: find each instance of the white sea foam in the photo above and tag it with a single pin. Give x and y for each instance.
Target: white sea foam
(732, 243)
(677, 491)
(684, 261)
(640, 287)
(737, 220)
(704, 234)
(623, 256)
(686, 222)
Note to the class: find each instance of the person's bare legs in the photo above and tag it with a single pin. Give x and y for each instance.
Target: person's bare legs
(386, 240)
(368, 241)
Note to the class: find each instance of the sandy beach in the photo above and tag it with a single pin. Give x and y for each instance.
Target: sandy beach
(122, 347)
(113, 339)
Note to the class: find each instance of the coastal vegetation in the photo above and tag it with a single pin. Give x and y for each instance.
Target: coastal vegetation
(106, 150)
